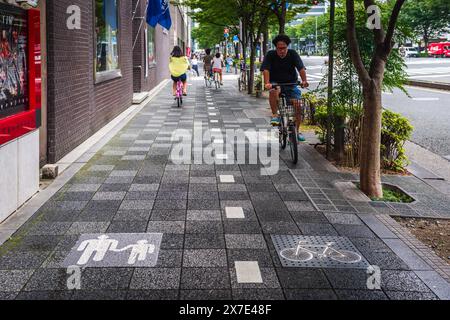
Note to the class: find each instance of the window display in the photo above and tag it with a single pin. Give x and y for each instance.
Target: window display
(13, 60)
(106, 28)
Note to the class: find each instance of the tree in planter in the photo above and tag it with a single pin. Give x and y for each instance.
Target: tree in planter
(371, 79)
(347, 89)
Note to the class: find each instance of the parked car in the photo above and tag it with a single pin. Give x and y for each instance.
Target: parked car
(440, 49)
(411, 52)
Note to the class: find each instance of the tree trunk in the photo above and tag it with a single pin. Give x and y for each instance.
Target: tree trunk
(265, 40)
(251, 78)
(371, 130)
(339, 138)
(282, 18)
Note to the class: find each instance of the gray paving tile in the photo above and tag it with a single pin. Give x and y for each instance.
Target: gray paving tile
(156, 278)
(317, 229)
(106, 278)
(48, 280)
(245, 241)
(205, 294)
(88, 227)
(132, 215)
(258, 294)
(204, 241)
(310, 294)
(152, 295)
(177, 227)
(204, 227)
(402, 295)
(204, 215)
(205, 278)
(45, 295)
(14, 280)
(402, 281)
(102, 295)
(208, 258)
(168, 215)
(137, 205)
(353, 231)
(300, 278)
(342, 218)
(361, 294)
(126, 227)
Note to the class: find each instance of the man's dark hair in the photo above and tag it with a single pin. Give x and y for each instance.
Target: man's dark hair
(177, 52)
(208, 51)
(218, 55)
(283, 38)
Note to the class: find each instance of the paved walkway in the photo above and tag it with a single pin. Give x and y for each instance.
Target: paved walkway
(215, 231)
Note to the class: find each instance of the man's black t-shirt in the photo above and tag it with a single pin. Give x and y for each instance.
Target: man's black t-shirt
(282, 70)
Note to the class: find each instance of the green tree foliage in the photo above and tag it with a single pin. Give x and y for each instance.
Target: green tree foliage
(427, 18)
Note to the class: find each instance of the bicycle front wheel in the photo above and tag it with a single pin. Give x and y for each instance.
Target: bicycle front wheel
(239, 85)
(282, 135)
(292, 254)
(179, 102)
(293, 144)
(345, 256)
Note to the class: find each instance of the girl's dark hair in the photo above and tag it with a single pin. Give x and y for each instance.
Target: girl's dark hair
(208, 51)
(177, 52)
(283, 38)
(218, 55)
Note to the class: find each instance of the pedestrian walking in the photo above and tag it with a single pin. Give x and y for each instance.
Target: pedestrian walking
(194, 63)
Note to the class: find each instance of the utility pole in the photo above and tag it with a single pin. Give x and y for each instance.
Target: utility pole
(330, 75)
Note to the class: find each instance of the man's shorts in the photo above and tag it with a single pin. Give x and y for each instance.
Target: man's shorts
(183, 78)
(291, 92)
(217, 70)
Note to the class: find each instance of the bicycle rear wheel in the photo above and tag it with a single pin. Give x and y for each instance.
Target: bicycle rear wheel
(239, 84)
(292, 254)
(178, 102)
(293, 143)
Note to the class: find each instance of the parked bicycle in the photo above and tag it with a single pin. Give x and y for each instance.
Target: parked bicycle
(242, 81)
(304, 252)
(179, 94)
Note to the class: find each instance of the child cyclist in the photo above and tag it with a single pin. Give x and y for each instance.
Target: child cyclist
(218, 65)
(178, 66)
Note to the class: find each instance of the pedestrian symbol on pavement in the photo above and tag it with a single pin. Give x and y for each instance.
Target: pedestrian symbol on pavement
(115, 250)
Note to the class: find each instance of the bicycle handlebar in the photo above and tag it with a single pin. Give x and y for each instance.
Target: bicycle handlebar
(298, 83)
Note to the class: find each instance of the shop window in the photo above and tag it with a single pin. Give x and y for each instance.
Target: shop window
(13, 61)
(106, 36)
(150, 46)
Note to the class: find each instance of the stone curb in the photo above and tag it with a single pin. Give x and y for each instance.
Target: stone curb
(429, 84)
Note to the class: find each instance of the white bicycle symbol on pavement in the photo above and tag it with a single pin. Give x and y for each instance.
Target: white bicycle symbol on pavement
(304, 252)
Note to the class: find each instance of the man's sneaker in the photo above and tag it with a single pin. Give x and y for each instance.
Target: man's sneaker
(301, 138)
(275, 121)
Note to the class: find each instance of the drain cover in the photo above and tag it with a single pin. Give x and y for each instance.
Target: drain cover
(318, 252)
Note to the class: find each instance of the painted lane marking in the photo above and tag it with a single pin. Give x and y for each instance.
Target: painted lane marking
(226, 178)
(234, 213)
(248, 272)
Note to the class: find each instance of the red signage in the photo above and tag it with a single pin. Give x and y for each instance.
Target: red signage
(20, 72)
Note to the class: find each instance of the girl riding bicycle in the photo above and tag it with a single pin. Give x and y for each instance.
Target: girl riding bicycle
(218, 64)
(178, 66)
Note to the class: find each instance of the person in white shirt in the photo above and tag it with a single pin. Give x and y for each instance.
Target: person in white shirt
(218, 65)
(194, 63)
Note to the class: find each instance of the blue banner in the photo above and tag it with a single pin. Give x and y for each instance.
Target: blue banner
(158, 11)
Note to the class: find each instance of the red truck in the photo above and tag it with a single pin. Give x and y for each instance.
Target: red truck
(441, 49)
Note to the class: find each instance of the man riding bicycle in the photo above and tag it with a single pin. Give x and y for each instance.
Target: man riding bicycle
(281, 66)
(207, 64)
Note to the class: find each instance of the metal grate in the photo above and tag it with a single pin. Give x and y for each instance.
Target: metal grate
(341, 253)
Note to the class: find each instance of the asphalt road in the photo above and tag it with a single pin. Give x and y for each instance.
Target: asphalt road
(427, 109)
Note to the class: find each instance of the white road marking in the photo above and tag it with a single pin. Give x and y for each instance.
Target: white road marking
(248, 272)
(425, 99)
(234, 213)
(226, 178)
